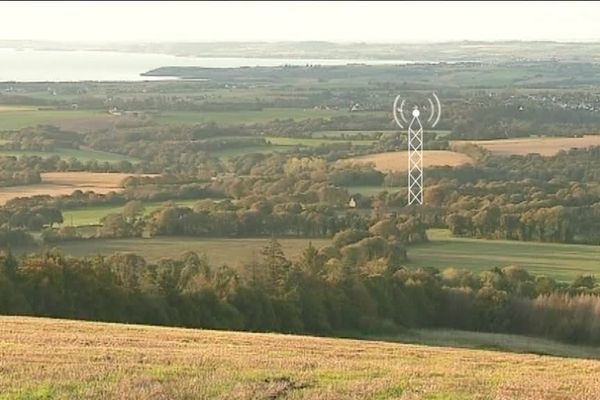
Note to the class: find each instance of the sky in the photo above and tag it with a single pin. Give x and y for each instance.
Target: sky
(299, 21)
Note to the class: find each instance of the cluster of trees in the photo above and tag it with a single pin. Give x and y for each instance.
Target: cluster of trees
(225, 219)
(544, 224)
(503, 117)
(34, 218)
(40, 138)
(552, 199)
(310, 295)
(26, 169)
(15, 171)
(520, 197)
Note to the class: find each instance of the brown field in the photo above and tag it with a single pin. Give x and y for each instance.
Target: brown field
(398, 160)
(65, 183)
(59, 359)
(545, 146)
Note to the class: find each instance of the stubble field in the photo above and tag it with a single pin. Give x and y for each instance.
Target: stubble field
(545, 146)
(58, 359)
(397, 161)
(65, 183)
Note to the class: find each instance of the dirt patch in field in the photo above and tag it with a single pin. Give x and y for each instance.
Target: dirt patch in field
(65, 183)
(398, 160)
(545, 146)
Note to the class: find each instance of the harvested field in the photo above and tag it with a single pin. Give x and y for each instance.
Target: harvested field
(398, 160)
(65, 183)
(545, 146)
(59, 359)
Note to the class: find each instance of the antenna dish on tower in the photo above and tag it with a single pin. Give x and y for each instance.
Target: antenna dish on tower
(435, 111)
(415, 141)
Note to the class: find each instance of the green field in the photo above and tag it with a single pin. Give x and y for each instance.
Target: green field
(43, 358)
(240, 151)
(219, 251)
(386, 133)
(92, 215)
(371, 190)
(560, 261)
(245, 117)
(81, 155)
(306, 142)
(350, 134)
(17, 118)
(492, 341)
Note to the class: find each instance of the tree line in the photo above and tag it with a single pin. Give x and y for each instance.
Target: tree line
(308, 295)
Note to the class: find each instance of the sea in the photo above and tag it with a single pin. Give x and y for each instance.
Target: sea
(33, 65)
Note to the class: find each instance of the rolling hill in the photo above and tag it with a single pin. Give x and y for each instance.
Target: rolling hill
(59, 359)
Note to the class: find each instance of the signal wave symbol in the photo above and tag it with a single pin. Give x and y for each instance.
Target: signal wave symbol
(415, 142)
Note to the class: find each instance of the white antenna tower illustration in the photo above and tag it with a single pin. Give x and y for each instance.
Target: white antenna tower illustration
(415, 143)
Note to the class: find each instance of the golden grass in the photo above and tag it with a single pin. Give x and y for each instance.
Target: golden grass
(397, 161)
(57, 359)
(65, 183)
(545, 146)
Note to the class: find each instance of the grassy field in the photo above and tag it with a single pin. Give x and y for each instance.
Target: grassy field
(239, 151)
(546, 146)
(561, 261)
(340, 133)
(492, 341)
(21, 117)
(398, 160)
(350, 134)
(92, 215)
(315, 142)
(371, 190)
(59, 359)
(82, 155)
(245, 117)
(61, 183)
(233, 252)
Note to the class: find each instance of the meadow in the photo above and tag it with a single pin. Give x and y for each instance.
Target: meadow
(12, 118)
(245, 117)
(231, 251)
(58, 359)
(315, 142)
(349, 134)
(64, 153)
(239, 151)
(92, 215)
(560, 261)
(371, 190)
(398, 160)
(491, 341)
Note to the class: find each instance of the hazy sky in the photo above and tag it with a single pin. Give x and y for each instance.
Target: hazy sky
(329, 21)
